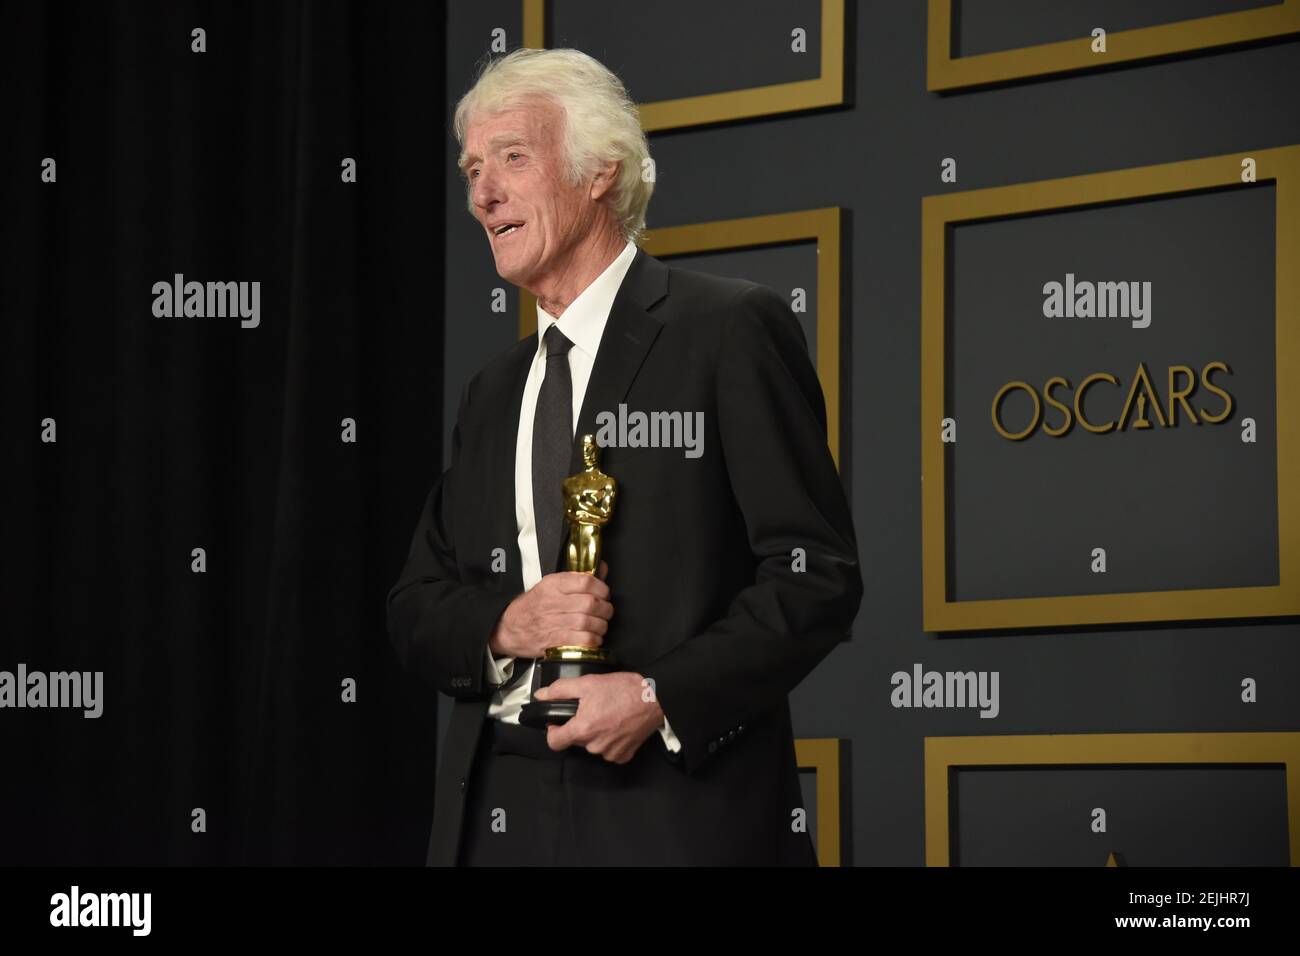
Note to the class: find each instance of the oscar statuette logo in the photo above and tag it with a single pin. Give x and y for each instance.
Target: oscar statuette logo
(588, 504)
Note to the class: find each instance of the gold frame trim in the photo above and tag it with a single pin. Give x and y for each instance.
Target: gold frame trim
(822, 754)
(942, 754)
(945, 72)
(819, 225)
(938, 213)
(776, 98)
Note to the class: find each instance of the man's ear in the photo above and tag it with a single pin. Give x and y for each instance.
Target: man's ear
(605, 178)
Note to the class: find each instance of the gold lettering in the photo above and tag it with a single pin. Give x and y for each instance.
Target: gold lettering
(1152, 398)
(1227, 399)
(1180, 396)
(997, 399)
(1078, 402)
(1064, 427)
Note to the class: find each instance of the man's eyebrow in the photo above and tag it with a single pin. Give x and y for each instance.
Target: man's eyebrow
(495, 143)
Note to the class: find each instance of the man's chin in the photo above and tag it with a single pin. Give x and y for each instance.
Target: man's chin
(512, 272)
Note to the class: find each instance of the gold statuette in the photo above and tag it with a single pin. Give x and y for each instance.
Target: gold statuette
(588, 505)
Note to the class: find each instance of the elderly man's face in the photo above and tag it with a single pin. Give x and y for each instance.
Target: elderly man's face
(513, 164)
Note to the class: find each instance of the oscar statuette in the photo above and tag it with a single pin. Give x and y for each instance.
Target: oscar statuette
(588, 503)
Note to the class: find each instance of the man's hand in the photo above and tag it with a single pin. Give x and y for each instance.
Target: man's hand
(614, 718)
(565, 607)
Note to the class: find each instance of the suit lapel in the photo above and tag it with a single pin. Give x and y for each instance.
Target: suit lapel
(629, 332)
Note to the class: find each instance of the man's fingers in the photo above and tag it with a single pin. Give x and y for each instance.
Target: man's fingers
(559, 736)
(579, 638)
(593, 627)
(589, 604)
(575, 582)
(568, 608)
(604, 569)
(566, 688)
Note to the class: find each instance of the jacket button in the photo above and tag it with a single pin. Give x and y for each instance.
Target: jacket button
(741, 728)
(462, 784)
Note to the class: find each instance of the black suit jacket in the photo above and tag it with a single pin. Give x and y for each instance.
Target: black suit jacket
(701, 551)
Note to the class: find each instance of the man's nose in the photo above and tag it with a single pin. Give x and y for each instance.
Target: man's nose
(485, 191)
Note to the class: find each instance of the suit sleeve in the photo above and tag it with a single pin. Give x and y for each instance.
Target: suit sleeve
(439, 624)
(772, 421)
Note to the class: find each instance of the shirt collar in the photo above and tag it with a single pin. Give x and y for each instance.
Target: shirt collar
(583, 322)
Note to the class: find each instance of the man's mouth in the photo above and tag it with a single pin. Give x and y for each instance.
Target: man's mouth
(507, 229)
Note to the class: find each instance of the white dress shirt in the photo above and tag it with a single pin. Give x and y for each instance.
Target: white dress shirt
(582, 323)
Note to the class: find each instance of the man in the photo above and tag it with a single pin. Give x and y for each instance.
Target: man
(729, 567)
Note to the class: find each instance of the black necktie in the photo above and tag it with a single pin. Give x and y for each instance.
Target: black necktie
(552, 444)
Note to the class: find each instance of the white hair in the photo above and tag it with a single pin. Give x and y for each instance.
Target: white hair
(599, 121)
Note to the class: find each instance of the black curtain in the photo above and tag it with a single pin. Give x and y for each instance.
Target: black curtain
(222, 689)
